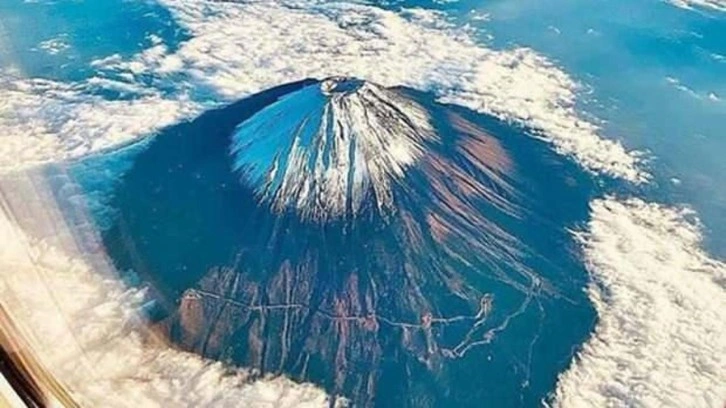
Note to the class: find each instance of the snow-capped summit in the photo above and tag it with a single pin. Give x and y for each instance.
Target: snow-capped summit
(327, 148)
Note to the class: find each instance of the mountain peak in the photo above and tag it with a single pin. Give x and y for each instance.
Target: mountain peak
(331, 148)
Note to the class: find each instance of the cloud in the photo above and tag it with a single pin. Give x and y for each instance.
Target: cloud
(661, 300)
(718, 5)
(54, 46)
(43, 120)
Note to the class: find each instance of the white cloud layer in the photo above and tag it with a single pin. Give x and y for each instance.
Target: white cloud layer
(85, 327)
(719, 5)
(42, 120)
(661, 301)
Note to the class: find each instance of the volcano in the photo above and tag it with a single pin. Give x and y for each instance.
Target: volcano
(392, 249)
